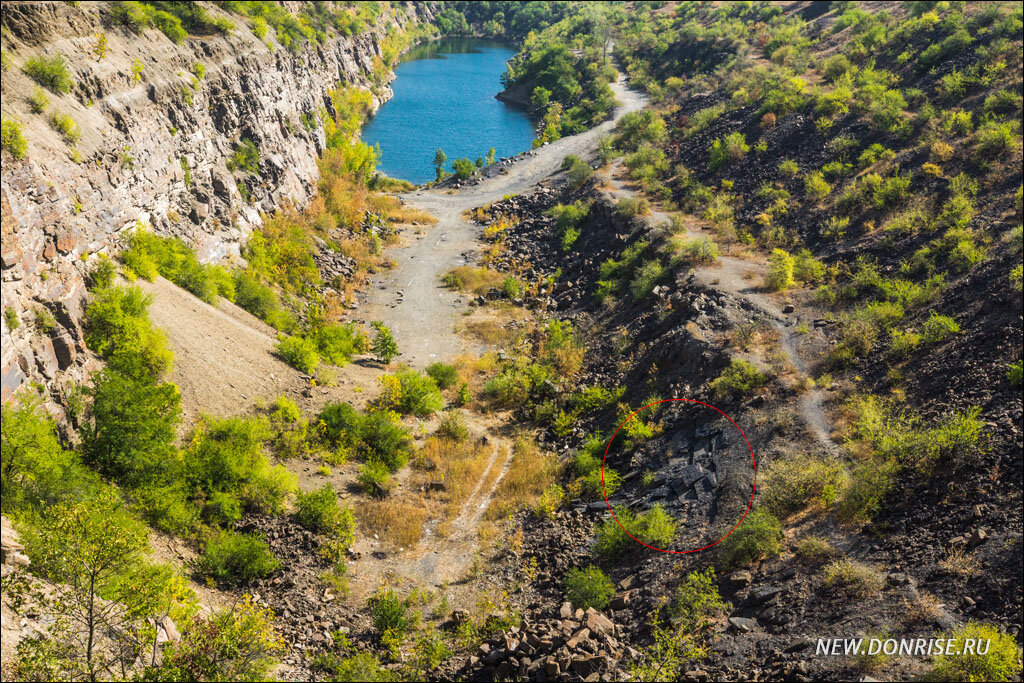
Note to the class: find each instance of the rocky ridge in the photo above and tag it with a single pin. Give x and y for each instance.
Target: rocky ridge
(153, 151)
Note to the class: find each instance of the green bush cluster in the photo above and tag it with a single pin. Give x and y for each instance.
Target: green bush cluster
(654, 527)
(589, 587)
(236, 559)
(738, 379)
(377, 435)
(759, 537)
(320, 511)
(149, 255)
(50, 72)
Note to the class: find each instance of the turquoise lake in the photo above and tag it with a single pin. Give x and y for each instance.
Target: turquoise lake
(444, 97)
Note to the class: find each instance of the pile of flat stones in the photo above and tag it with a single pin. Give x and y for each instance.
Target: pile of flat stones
(579, 645)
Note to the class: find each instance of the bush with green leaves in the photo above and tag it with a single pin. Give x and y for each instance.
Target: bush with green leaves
(577, 171)
(375, 435)
(757, 538)
(66, 126)
(697, 601)
(50, 72)
(654, 527)
(245, 157)
(375, 478)
(780, 271)
(463, 168)
(227, 455)
(453, 426)
(389, 613)
(724, 151)
(337, 343)
(130, 429)
(237, 559)
(299, 352)
(738, 379)
(646, 278)
(1001, 661)
(384, 346)
(319, 511)
(589, 587)
(12, 138)
(36, 471)
(792, 483)
(443, 374)
(118, 329)
(418, 393)
(262, 302)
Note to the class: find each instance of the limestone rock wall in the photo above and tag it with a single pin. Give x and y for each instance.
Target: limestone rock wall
(152, 150)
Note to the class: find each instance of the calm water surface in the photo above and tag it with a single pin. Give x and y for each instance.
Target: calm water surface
(444, 97)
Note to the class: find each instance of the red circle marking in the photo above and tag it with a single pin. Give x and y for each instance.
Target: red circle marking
(752, 490)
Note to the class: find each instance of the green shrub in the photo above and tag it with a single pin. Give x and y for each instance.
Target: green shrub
(815, 550)
(870, 483)
(245, 157)
(12, 139)
(937, 328)
(50, 72)
(654, 527)
(1001, 661)
(389, 613)
(319, 511)
(375, 478)
(1015, 373)
(806, 268)
(738, 379)
(590, 587)
(780, 271)
(419, 394)
(815, 186)
(118, 329)
(758, 537)
(697, 601)
(362, 667)
(338, 343)
(629, 207)
(793, 483)
(453, 426)
(851, 579)
(725, 151)
(577, 171)
(443, 374)
(237, 559)
(300, 353)
(647, 277)
(700, 251)
(788, 167)
(222, 509)
(227, 455)
(66, 126)
(384, 346)
(39, 102)
(463, 168)
(592, 484)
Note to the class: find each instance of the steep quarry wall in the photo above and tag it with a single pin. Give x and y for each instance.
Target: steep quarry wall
(153, 150)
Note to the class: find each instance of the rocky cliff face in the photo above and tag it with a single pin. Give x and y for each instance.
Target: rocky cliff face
(152, 151)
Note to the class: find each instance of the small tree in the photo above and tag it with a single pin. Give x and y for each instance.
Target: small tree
(384, 346)
(780, 271)
(463, 168)
(490, 156)
(439, 160)
(87, 550)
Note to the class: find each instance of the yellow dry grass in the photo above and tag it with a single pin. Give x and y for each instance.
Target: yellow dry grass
(530, 473)
(397, 522)
(473, 279)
